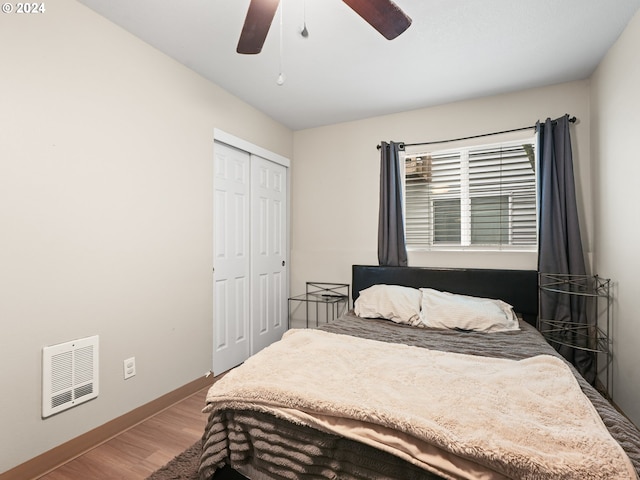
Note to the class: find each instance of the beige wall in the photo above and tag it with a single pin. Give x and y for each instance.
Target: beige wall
(336, 178)
(615, 132)
(105, 214)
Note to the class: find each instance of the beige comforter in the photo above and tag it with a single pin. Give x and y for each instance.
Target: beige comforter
(456, 415)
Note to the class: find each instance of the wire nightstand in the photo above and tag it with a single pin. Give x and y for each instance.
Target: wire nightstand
(332, 299)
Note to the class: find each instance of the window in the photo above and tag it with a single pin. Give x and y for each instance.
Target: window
(480, 197)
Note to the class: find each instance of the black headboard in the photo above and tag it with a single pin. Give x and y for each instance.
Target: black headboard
(519, 288)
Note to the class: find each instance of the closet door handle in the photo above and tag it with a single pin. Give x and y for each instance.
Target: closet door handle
(283, 263)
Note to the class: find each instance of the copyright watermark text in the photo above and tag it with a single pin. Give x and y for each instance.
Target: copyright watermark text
(23, 8)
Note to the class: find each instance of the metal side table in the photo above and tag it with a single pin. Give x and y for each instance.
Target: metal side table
(330, 299)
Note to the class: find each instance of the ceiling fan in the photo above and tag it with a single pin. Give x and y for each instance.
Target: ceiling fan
(383, 15)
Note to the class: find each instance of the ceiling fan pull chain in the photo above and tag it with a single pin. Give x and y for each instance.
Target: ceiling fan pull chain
(304, 32)
(281, 77)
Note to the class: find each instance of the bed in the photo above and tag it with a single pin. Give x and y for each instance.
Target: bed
(370, 398)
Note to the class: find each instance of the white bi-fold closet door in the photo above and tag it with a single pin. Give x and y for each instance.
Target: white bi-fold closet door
(250, 254)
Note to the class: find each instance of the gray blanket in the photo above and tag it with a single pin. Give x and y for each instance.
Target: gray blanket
(266, 447)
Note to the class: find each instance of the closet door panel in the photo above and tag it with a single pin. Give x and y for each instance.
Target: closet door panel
(232, 257)
(268, 252)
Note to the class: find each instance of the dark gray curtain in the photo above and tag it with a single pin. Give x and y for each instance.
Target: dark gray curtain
(560, 245)
(392, 250)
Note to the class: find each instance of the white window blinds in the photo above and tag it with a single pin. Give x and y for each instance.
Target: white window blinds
(483, 196)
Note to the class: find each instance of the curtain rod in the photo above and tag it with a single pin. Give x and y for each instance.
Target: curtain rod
(402, 145)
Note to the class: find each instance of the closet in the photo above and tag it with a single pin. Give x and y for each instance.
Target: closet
(250, 250)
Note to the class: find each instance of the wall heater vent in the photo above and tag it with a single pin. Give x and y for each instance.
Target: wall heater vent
(69, 374)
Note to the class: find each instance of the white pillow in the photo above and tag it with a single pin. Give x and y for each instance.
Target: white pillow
(449, 310)
(393, 302)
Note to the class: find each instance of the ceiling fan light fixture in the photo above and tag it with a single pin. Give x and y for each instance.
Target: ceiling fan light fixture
(383, 15)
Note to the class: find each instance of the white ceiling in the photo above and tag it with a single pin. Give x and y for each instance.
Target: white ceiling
(345, 70)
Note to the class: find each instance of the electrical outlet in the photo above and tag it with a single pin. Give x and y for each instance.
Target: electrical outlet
(129, 367)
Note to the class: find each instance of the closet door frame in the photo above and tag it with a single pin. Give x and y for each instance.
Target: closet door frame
(255, 150)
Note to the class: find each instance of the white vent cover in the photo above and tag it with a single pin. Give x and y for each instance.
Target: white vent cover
(69, 374)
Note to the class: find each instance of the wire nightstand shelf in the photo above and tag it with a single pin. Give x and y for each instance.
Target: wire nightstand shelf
(592, 336)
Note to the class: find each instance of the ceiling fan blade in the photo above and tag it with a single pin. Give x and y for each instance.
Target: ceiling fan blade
(383, 15)
(256, 25)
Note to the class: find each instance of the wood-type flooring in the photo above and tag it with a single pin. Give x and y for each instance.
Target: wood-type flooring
(141, 450)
